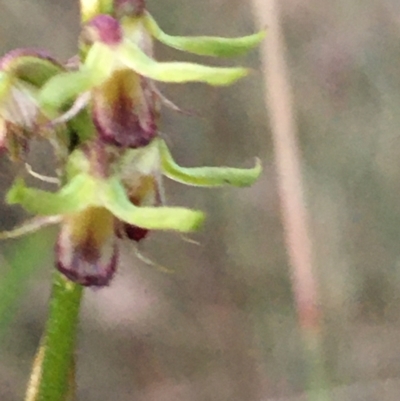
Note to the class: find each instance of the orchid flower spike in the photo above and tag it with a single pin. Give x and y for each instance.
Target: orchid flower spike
(107, 105)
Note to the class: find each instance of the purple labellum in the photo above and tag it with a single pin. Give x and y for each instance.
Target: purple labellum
(123, 129)
(86, 267)
(105, 29)
(125, 111)
(90, 275)
(86, 249)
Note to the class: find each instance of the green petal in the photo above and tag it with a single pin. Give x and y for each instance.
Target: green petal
(176, 72)
(207, 176)
(114, 198)
(33, 69)
(62, 89)
(205, 45)
(74, 196)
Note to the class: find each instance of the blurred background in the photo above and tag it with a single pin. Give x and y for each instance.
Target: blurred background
(223, 326)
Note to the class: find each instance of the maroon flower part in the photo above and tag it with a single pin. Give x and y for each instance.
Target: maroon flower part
(142, 190)
(125, 110)
(86, 249)
(135, 233)
(131, 232)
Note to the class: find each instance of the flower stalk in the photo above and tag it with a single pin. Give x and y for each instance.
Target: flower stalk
(52, 377)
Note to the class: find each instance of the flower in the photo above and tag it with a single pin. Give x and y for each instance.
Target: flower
(95, 211)
(116, 78)
(86, 249)
(22, 73)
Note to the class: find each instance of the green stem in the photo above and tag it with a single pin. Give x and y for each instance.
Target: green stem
(51, 374)
(53, 377)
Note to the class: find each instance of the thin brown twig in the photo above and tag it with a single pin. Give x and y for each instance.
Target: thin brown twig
(295, 218)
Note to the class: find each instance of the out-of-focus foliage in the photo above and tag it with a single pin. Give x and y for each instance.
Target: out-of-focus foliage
(223, 326)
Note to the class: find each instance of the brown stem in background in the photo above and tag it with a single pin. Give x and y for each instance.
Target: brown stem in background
(288, 168)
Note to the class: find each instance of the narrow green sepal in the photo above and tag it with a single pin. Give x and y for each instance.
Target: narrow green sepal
(75, 196)
(207, 176)
(63, 89)
(205, 45)
(176, 72)
(113, 197)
